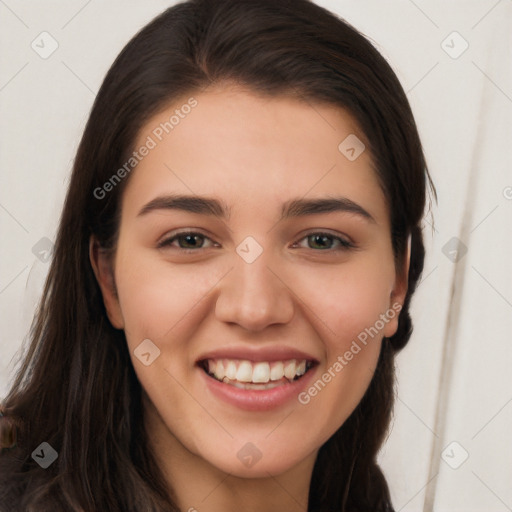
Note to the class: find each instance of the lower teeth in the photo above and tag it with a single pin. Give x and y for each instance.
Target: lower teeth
(251, 385)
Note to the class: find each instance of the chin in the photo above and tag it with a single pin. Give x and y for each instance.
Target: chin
(258, 460)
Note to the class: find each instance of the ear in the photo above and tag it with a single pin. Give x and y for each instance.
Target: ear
(398, 294)
(102, 266)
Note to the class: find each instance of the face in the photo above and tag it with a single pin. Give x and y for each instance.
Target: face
(255, 259)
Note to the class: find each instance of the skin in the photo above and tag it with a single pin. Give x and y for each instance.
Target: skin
(253, 154)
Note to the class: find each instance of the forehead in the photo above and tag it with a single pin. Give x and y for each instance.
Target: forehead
(254, 151)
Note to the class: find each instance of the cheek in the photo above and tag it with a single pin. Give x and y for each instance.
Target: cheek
(348, 301)
(156, 298)
(165, 304)
(348, 308)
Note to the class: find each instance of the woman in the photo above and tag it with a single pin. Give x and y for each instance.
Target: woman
(231, 277)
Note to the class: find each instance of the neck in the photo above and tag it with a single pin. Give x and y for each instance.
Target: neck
(198, 486)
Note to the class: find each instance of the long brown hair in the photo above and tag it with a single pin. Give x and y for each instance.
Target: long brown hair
(76, 388)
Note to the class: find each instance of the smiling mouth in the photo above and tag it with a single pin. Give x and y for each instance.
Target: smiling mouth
(260, 375)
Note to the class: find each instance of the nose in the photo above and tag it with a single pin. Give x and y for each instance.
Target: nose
(255, 295)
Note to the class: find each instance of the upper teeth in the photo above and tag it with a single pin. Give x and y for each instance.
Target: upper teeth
(260, 372)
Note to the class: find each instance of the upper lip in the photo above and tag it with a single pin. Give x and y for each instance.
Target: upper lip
(275, 353)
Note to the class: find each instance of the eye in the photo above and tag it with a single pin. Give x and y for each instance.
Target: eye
(187, 241)
(325, 241)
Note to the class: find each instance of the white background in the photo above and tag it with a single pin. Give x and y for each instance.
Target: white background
(454, 378)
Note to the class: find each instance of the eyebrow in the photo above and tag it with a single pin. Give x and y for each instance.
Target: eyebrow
(293, 208)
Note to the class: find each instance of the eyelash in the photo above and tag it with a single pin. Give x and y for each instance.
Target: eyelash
(344, 245)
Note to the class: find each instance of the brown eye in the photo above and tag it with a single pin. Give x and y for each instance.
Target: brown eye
(187, 240)
(327, 241)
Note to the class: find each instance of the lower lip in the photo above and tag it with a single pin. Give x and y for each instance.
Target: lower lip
(254, 399)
